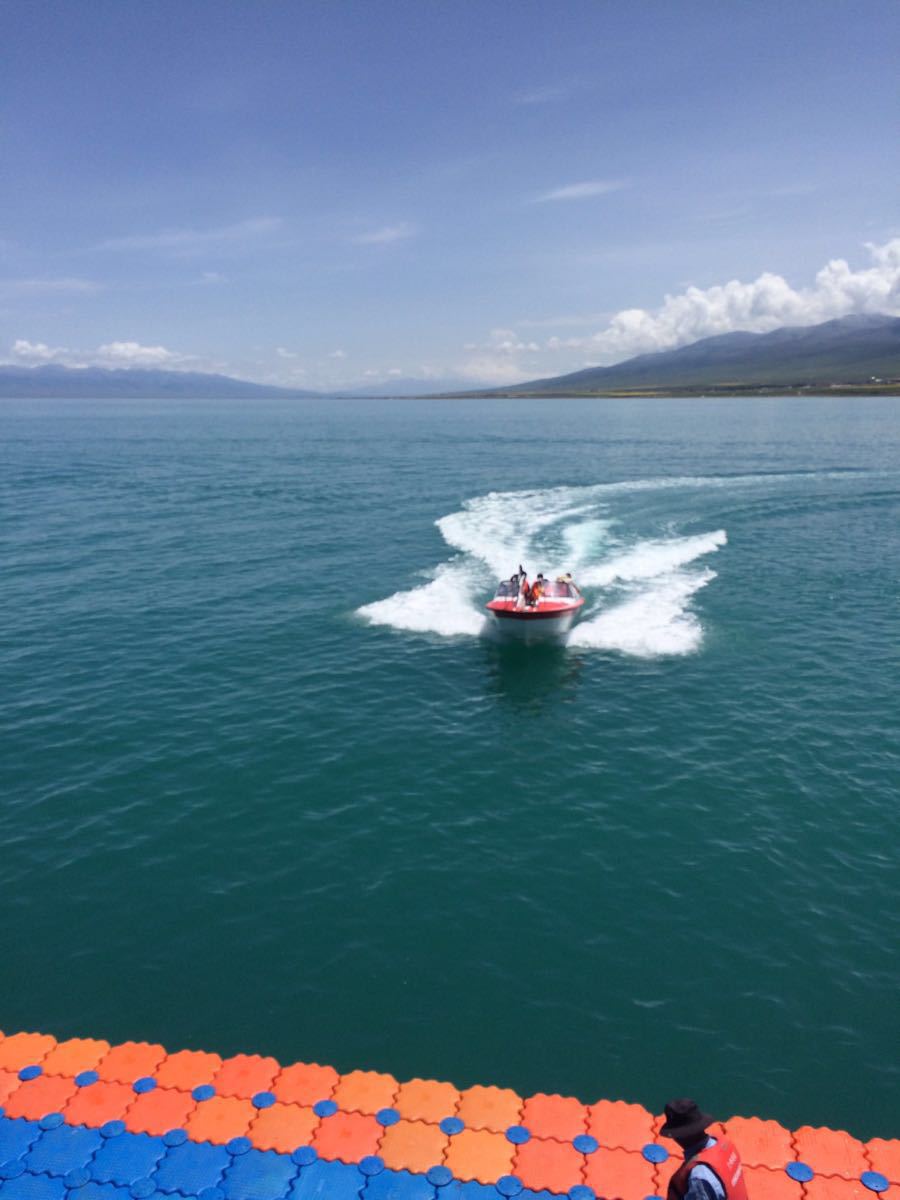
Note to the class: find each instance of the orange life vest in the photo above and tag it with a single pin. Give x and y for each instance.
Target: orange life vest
(724, 1160)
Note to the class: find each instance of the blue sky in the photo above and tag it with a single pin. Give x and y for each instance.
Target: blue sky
(325, 193)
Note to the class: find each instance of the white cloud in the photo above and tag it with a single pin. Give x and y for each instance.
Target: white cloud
(186, 240)
(110, 354)
(282, 353)
(133, 354)
(386, 235)
(338, 354)
(760, 306)
(497, 361)
(581, 191)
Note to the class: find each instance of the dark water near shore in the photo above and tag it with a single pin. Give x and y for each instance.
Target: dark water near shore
(266, 786)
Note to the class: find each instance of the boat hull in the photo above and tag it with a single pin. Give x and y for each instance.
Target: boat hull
(538, 624)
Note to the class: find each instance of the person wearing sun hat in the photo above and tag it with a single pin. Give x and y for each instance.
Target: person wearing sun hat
(712, 1166)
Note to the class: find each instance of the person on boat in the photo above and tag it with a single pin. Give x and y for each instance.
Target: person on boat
(712, 1166)
(537, 590)
(524, 590)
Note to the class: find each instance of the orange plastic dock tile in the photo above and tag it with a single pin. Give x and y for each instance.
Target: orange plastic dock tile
(489, 1108)
(75, 1055)
(885, 1157)
(24, 1049)
(413, 1146)
(825, 1187)
(427, 1100)
(548, 1164)
(623, 1173)
(348, 1136)
(187, 1069)
(365, 1091)
(765, 1184)
(245, 1075)
(99, 1103)
(220, 1119)
(560, 1117)
(305, 1083)
(283, 1127)
(130, 1061)
(830, 1152)
(9, 1081)
(617, 1124)
(160, 1110)
(761, 1143)
(479, 1154)
(37, 1097)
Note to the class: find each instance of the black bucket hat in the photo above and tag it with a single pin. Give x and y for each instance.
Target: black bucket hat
(684, 1119)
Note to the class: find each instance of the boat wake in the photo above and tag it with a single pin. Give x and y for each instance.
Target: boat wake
(639, 590)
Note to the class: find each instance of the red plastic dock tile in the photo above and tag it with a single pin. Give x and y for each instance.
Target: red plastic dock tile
(99, 1103)
(617, 1124)
(220, 1119)
(160, 1110)
(885, 1157)
(489, 1108)
(560, 1117)
(479, 1154)
(623, 1173)
(365, 1091)
(413, 1146)
(24, 1049)
(130, 1061)
(187, 1069)
(75, 1055)
(761, 1143)
(765, 1184)
(305, 1083)
(830, 1152)
(37, 1097)
(9, 1081)
(548, 1164)
(283, 1127)
(348, 1136)
(427, 1100)
(245, 1075)
(832, 1187)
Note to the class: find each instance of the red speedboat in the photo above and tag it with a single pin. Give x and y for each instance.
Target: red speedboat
(517, 611)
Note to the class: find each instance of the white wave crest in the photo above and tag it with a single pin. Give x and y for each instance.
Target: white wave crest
(639, 595)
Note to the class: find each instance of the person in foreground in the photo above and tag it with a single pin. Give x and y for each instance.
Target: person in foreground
(712, 1166)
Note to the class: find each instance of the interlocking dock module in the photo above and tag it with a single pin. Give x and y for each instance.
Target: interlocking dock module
(83, 1120)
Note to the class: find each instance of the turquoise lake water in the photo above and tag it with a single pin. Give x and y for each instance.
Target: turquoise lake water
(267, 785)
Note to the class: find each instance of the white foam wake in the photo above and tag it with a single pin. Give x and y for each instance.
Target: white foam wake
(639, 592)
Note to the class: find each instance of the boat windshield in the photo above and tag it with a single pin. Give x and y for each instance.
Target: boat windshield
(506, 589)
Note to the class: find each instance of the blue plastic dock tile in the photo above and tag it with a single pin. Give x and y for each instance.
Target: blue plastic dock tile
(33, 1187)
(528, 1194)
(399, 1185)
(17, 1136)
(324, 1180)
(98, 1191)
(259, 1175)
(470, 1190)
(127, 1158)
(191, 1168)
(58, 1151)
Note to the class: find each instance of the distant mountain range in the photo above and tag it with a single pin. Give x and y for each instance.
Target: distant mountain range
(851, 352)
(123, 383)
(860, 353)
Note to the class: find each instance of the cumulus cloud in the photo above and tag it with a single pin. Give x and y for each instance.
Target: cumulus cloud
(498, 361)
(581, 191)
(386, 235)
(110, 354)
(759, 306)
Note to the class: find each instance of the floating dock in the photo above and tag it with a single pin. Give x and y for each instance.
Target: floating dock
(84, 1120)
